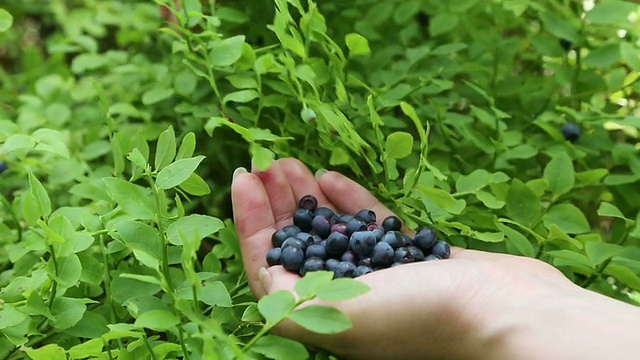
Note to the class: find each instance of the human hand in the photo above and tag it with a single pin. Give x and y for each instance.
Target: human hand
(473, 305)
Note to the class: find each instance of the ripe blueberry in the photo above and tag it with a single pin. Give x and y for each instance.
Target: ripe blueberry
(3, 167)
(278, 238)
(316, 250)
(425, 238)
(345, 269)
(355, 225)
(302, 218)
(403, 256)
(362, 242)
(308, 202)
(295, 242)
(337, 243)
(349, 256)
(324, 211)
(362, 270)
(393, 238)
(321, 226)
(441, 249)
(339, 227)
(366, 215)
(416, 253)
(382, 255)
(273, 256)
(312, 264)
(571, 131)
(344, 218)
(291, 230)
(331, 264)
(292, 258)
(391, 223)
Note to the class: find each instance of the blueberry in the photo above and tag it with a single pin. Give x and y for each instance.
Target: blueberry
(365, 262)
(362, 242)
(291, 230)
(316, 250)
(339, 227)
(441, 249)
(366, 215)
(279, 237)
(431, 257)
(362, 270)
(345, 269)
(292, 258)
(344, 218)
(302, 218)
(337, 244)
(425, 238)
(331, 264)
(295, 242)
(416, 253)
(355, 225)
(3, 167)
(391, 223)
(321, 226)
(402, 255)
(382, 255)
(407, 240)
(349, 256)
(273, 256)
(566, 44)
(308, 202)
(378, 233)
(312, 264)
(393, 238)
(571, 131)
(324, 211)
(306, 237)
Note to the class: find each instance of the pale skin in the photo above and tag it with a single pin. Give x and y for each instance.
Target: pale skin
(474, 305)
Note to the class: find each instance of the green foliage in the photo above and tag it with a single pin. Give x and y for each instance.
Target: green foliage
(121, 131)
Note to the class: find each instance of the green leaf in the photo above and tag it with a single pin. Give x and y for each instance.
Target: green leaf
(603, 56)
(610, 210)
(88, 349)
(559, 174)
(178, 172)
(18, 142)
(523, 206)
(261, 157)
(559, 27)
(568, 218)
(473, 182)
(226, 52)
(517, 240)
(241, 96)
(158, 320)
(311, 282)
(50, 141)
(6, 20)
(69, 271)
(47, 352)
(489, 200)
(357, 44)
(443, 23)
(185, 83)
(571, 258)
(276, 306)
(187, 146)
(214, 293)
(555, 234)
(276, 347)
(611, 12)
(398, 145)
(138, 236)
(341, 289)
(598, 252)
(40, 195)
(9, 316)
(195, 185)
(193, 226)
(68, 311)
(321, 319)
(156, 95)
(165, 148)
(134, 200)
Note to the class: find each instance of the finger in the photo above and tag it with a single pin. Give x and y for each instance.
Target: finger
(349, 196)
(303, 182)
(254, 221)
(278, 190)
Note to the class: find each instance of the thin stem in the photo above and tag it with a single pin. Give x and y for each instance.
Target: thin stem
(7, 204)
(148, 345)
(54, 283)
(597, 274)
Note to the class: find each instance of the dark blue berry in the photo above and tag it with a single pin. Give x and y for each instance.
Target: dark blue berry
(308, 202)
(382, 255)
(441, 249)
(391, 223)
(291, 230)
(273, 256)
(295, 242)
(566, 44)
(345, 269)
(394, 239)
(316, 250)
(292, 258)
(331, 264)
(349, 256)
(425, 238)
(321, 226)
(403, 256)
(337, 243)
(344, 218)
(3, 167)
(302, 218)
(355, 225)
(416, 253)
(378, 233)
(571, 131)
(279, 237)
(306, 237)
(324, 211)
(362, 243)
(362, 270)
(366, 215)
(407, 240)
(312, 264)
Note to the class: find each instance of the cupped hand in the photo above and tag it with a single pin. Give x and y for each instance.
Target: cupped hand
(437, 309)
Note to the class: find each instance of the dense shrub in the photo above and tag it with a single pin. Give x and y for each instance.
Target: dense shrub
(120, 130)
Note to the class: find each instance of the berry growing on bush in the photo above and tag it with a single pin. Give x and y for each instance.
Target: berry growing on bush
(571, 131)
(3, 167)
(349, 245)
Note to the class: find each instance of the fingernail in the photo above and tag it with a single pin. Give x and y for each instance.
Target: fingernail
(239, 171)
(319, 173)
(265, 279)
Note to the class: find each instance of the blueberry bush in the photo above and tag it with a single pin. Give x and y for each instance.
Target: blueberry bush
(507, 126)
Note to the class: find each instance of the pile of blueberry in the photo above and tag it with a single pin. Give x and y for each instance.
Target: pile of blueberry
(349, 245)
